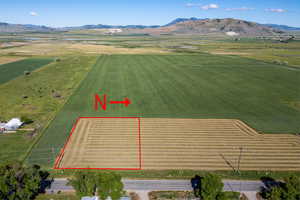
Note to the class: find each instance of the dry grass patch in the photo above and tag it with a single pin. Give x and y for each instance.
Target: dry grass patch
(228, 53)
(65, 48)
(8, 59)
(103, 49)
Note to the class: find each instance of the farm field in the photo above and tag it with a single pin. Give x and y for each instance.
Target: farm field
(9, 59)
(12, 70)
(186, 144)
(41, 104)
(14, 146)
(103, 143)
(204, 86)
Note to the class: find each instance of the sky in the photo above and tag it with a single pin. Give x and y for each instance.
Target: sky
(61, 13)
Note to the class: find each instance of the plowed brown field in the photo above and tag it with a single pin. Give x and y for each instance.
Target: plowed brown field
(197, 144)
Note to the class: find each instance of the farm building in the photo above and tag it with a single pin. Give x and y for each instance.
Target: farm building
(11, 125)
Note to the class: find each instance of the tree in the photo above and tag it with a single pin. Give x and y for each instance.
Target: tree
(275, 193)
(291, 188)
(21, 183)
(211, 187)
(109, 185)
(104, 184)
(84, 184)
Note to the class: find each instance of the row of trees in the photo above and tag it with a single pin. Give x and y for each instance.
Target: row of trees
(22, 183)
(104, 185)
(210, 187)
(18, 182)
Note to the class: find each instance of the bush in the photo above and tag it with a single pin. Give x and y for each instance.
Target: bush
(277, 62)
(275, 193)
(26, 120)
(212, 187)
(26, 73)
(289, 190)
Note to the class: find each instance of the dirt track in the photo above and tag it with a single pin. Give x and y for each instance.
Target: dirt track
(199, 144)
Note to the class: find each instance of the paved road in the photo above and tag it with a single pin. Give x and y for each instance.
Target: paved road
(166, 185)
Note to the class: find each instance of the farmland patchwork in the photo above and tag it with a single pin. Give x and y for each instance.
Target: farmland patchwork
(177, 96)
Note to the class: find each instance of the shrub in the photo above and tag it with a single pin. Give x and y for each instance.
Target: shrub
(26, 120)
(211, 187)
(289, 190)
(26, 73)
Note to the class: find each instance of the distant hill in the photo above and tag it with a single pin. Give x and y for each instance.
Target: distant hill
(15, 28)
(229, 26)
(283, 27)
(178, 20)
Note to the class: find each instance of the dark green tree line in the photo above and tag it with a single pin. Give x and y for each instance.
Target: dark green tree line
(22, 183)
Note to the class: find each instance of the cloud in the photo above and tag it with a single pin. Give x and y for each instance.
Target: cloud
(32, 13)
(239, 9)
(209, 6)
(278, 10)
(192, 4)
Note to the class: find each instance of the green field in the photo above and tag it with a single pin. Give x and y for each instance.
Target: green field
(40, 105)
(13, 146)
(12, 70)
(185, 86)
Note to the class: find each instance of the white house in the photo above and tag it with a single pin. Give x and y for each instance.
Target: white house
(12, 125)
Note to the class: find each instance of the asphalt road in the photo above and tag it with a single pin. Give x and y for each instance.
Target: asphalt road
(166, 185)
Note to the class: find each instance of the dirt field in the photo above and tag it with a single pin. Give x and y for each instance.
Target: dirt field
(199, 144)
(66, 48)
(7, 59)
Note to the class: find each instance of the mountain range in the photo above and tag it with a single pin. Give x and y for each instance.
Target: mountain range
(179, 25)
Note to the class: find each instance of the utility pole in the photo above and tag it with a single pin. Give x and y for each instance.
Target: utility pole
(53, 154)
(239, 161)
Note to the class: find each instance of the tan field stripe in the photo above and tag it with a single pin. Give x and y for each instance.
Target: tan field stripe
(197, 144)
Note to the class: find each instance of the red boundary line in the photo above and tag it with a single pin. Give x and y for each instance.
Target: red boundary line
(60, 156)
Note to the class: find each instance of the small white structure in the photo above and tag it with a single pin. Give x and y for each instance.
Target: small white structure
(232, 33)
(12, 125)
(89, 198)
(114, 30)
(97, 198)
